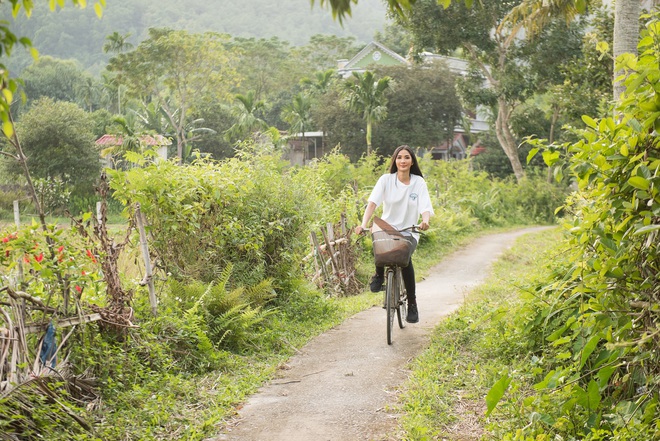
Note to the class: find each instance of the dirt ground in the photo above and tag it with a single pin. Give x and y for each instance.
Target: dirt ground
(342, 386)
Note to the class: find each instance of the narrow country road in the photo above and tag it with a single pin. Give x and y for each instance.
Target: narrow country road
(341, 386)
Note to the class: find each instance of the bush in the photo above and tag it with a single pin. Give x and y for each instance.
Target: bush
(203, 217)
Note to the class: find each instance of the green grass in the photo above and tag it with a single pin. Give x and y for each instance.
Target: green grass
(444, 398)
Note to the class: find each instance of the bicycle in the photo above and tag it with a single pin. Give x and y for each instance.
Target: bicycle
(393, 250)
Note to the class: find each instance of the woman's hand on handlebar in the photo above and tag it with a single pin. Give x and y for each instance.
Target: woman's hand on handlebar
(360, 230)
(423, 226)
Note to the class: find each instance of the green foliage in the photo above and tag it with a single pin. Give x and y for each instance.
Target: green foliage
(474, 197)
(452, 383)
(422, 108)
(247, 114)
(231, 318)
(343, 127)
(58, 139)
(50, 77)
(203, 217)
(53, 194)
(55, 264)
(180, 71)
(266, 66)
(366, 95)
(588, 337)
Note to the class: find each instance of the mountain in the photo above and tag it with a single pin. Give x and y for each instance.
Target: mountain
(72, 33)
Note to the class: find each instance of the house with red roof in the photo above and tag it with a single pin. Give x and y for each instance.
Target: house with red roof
(107, 144)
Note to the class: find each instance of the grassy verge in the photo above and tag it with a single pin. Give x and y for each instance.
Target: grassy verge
(444, 398)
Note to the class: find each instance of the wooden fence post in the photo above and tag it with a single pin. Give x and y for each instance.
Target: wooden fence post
(17, 215)
(147, 261)
(319, 253)
(99, 214)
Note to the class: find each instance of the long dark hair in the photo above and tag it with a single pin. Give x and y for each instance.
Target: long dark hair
(414, 168)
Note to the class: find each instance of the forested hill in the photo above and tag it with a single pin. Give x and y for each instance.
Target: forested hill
(70, 33)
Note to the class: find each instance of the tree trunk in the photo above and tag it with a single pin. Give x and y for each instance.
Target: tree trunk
(368, 136)
(505, 137)
(626, 35)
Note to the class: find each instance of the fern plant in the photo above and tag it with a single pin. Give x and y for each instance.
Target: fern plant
(221, 316)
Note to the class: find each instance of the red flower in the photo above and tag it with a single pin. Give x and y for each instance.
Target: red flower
(91, 256)
(5, 239)
(39, 258)
(60, 249)
(26, 258)
(83, 273)
(78, 288)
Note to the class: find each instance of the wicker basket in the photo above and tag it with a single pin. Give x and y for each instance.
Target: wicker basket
(391, 249)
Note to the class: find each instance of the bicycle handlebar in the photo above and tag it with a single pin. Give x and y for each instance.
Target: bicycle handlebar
(412, 228)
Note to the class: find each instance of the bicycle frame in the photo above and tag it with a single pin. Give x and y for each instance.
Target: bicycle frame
(396, 299)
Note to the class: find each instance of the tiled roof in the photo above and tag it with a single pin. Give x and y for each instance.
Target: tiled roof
(158, 140)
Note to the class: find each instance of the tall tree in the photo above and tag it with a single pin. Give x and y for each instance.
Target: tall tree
(342, 127)
(247, 116)
(57, 139)
(422, 109)
(179, 70)
(626, 36)
(266, 66)
(323, 51)
(88, 93)
(492, 48)
(8, 39)
(366, 95)
(54, 78)
(321, 81)
(117, 43)
(536, 14)
(298, 114)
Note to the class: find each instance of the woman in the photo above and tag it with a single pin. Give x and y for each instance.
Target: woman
(405, 198)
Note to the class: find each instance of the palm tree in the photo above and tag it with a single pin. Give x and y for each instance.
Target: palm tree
(366, 95)
(321, 81)
(246, 112)
(298, 114)
(128, 131)
(87, 92)
(116, 43)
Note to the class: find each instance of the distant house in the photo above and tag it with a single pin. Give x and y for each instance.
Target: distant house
(372, 54)
(377, 54)
(157, 142)
(302, 150)
(456, 148)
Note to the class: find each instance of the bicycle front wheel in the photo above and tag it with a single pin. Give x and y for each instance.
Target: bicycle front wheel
(390, 303)
(401, 300)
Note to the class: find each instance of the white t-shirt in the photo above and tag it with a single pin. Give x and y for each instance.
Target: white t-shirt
(402, 204)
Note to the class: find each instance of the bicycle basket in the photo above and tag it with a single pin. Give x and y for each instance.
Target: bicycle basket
(391, 249)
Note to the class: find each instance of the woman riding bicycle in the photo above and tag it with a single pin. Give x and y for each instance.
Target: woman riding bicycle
(405, 198)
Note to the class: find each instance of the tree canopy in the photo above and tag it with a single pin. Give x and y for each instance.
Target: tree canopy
(58, 140)
(179, 70)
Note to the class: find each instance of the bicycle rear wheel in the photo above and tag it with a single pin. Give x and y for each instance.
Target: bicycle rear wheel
(401, 300)
(390, 303)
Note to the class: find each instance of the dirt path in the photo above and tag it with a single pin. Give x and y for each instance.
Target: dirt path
(342, 385)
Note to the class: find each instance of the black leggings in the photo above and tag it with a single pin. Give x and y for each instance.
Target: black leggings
(408, 274)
